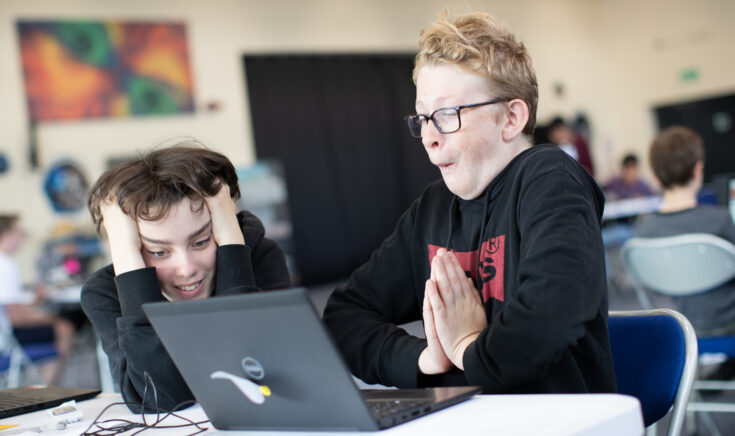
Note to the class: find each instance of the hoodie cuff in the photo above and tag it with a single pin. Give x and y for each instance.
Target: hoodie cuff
(404, 362)
(137, 287)
(474, 371)
(234, 268)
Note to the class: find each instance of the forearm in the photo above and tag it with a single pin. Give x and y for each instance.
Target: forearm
(376, 350)
(125, 257)
(242, 269)
(141, 366)
(113, 305)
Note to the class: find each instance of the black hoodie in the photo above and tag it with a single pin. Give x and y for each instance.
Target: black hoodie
(113, 305)
(533, 238)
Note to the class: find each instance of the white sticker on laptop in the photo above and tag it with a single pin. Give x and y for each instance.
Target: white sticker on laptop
(252, 391)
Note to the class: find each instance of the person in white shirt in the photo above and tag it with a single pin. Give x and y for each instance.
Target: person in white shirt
(29, 322)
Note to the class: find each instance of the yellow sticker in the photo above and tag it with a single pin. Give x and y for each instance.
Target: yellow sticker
(265, 390)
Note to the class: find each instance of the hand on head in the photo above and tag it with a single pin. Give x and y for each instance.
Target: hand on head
(454, 314)
(123, 237)
(223, 210)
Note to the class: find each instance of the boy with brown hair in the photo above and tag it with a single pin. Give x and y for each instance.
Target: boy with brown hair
(677, 159)
(174, 234)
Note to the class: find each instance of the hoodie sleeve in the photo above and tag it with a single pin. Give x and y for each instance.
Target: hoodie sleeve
(258, 265)
(362, 315)
(561, 287)
(113, 305)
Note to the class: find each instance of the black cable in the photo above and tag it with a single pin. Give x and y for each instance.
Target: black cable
(124, 425)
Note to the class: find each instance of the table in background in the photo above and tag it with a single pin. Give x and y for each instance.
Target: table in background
(497, 415)
(630, 207)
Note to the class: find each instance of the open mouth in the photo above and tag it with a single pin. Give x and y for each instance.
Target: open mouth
(190, 288)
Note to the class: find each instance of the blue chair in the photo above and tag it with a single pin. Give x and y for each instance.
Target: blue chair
(16, 358)
(679, 266)
(655, 358)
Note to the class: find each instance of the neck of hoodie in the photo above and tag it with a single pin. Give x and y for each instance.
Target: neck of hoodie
(480, 205)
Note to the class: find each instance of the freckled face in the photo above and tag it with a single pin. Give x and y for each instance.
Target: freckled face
(469, 158)
(182, 249)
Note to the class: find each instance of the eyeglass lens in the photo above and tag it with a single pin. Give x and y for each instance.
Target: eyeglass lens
(445, 120)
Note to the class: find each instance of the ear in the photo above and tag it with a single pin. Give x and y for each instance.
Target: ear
(515, 120)
(698, 168)
(698, 172)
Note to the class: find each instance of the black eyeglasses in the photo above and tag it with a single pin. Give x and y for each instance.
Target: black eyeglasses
(446, 119)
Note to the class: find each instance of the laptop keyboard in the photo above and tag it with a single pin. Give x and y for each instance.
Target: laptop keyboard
(382, 409)
(9, 401)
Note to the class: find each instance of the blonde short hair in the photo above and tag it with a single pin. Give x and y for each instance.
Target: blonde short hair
(476, 42)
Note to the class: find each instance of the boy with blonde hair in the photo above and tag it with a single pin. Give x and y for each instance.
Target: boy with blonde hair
(502, 259)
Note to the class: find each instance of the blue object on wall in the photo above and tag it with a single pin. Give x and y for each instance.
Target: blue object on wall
(3, 163)
(66, 187)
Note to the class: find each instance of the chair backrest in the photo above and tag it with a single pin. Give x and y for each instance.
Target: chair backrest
(680, 265)
(655, 358)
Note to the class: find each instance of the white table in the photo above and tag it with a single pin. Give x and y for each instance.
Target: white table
(630, 207)
(496, 415)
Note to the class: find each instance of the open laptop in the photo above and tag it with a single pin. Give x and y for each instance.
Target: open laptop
(265, 361)
(16, 401)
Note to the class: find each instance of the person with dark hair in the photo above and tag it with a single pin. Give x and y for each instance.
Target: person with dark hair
(30, 323)
(561, 135)
(174, 234)
(502, 258)
(677, 159)
(628, 184)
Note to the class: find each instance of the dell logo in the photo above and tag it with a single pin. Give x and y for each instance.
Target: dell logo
(253, 368)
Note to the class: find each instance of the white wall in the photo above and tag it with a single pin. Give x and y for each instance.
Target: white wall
(649, 44)
(602, 51)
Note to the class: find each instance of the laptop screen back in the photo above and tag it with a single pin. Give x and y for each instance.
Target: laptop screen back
(275, 342)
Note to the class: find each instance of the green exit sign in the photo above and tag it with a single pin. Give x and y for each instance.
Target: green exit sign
(689, 74)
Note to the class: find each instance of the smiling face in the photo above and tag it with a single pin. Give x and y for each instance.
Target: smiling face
(182, 249)
(470, 158)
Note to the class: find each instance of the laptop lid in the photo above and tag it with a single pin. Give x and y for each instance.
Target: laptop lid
(265, 361)
(274, 339)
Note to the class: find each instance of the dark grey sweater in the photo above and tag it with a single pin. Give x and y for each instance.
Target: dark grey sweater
(711, 313)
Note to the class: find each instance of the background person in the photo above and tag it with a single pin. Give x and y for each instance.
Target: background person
(174, 234)
(30, 323)
(561, 135)
(677, 160)
(629, 183)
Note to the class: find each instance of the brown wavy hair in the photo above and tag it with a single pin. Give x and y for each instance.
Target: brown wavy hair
(674, 153)
(476, 42)
(7, 222)
(148, 186)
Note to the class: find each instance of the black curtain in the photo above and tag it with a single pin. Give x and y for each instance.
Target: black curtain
(336, 123)
(712, 119)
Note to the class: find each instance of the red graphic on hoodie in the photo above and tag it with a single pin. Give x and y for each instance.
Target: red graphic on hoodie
(492, 255)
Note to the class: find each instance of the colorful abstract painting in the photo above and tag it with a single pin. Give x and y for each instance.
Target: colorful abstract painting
(90, 69)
